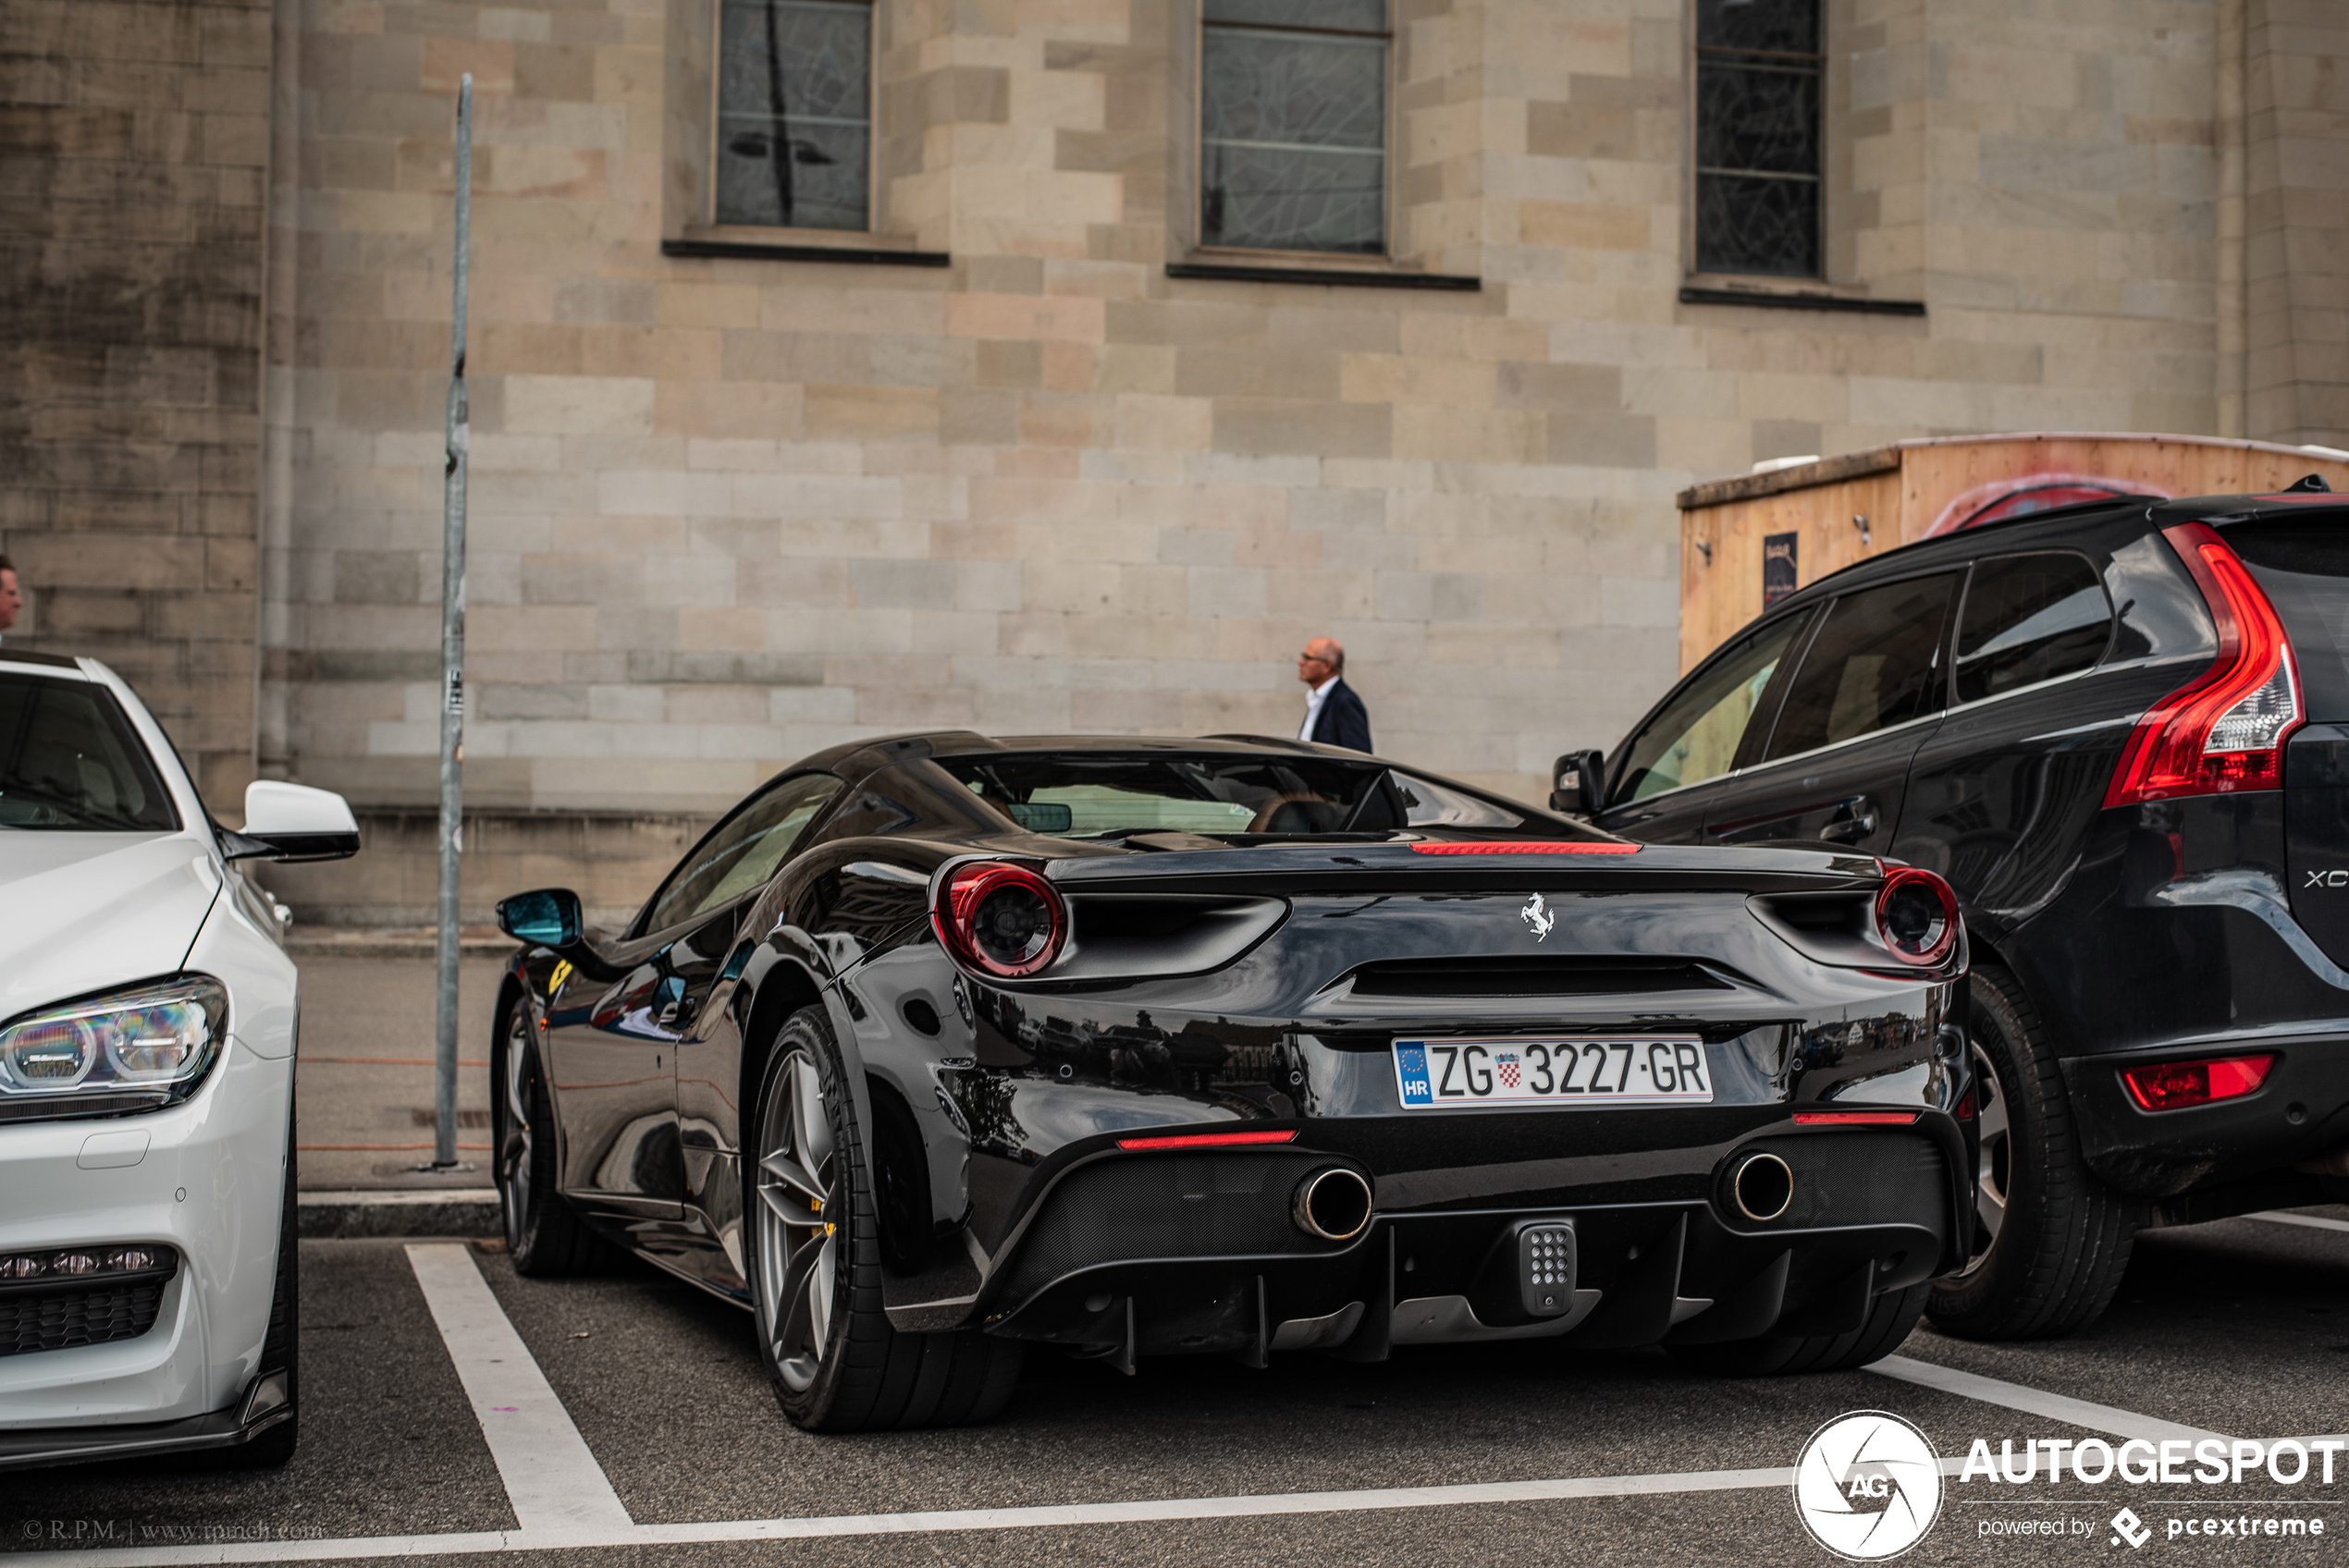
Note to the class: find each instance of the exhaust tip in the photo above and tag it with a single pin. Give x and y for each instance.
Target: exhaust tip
(1333, 1204)
(1763, 1186)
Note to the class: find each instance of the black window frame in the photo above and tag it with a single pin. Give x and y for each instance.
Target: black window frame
(642, 927)
(1764, 707)
(1705, 258)
(1774, 698)
(1956, 624)
(1389, 37)
(719, 116)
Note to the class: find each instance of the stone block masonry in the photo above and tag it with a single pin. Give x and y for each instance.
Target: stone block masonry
(131, 259)
(730, 509)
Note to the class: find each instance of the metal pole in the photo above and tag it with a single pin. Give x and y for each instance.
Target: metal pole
(452, 657)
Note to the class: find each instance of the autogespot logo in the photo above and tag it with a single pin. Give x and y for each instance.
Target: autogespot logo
(1868, 1486)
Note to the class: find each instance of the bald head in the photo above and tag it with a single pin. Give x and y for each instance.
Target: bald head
(1322, 660)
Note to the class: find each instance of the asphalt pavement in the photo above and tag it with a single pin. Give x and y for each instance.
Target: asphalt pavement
(420, 1437)
(453, 1411)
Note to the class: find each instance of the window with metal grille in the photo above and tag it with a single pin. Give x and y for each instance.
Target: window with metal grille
(1293, 125)
(1759, 71)
(794, 113)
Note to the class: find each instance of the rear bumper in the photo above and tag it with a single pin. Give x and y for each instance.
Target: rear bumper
(2300, 1111)
(1196, 1254)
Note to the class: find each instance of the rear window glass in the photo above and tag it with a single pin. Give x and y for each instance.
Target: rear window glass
(2303, 567)
(69, 760)
(2029, 619)
(1103, 794)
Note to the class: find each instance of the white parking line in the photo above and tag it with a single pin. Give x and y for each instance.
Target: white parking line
(2314, 1222)
(1041, 1517)
(552, 1478)
(2033, 1401)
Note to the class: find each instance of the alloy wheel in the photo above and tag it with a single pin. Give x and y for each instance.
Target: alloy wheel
(798, 1239)
(515, 1143)
(1993, 1187)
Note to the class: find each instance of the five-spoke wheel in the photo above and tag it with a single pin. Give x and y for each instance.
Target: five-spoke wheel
(798, 1247)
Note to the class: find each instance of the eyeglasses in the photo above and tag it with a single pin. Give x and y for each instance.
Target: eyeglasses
(1310, 658)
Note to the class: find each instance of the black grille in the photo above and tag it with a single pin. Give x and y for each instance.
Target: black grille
(58, 1319)
(1123, 1209)
(1533, 977)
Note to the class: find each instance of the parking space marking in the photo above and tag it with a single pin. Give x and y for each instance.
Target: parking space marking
(1041, 1516)
(552, 1478)
(2314, 1222)
(2034, 1401)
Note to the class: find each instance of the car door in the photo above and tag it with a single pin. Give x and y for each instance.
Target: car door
(707, 899)
(613, 1043)
(1867, 690)
(2002, 793)
(1667, 774)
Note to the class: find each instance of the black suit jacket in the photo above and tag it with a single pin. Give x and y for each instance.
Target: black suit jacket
(1342, 721)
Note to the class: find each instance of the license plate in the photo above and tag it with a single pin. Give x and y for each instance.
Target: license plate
(1639, 1069)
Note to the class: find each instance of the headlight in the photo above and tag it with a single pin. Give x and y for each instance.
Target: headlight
(135, 1049)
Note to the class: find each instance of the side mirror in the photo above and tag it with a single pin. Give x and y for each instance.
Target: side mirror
(1578, 783)
(292, 822)
(548, 917)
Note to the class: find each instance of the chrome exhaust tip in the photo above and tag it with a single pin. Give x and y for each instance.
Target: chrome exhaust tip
(1763, 1186)
(1334, 1204)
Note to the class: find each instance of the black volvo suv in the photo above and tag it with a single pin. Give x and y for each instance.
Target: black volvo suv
(2120, 730)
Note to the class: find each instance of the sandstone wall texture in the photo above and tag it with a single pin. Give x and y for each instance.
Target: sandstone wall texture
(134, 138)
(727, 510)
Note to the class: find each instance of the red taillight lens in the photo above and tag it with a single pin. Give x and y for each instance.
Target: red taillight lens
(1917, 916)
(1855, 1118)
(1002, 920)
(2225, 729)
(2173, 1085)
(1966, 1107)
(1208, 1139)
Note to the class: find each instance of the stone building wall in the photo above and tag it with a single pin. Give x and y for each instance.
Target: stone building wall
(135, 141)
(726, 511)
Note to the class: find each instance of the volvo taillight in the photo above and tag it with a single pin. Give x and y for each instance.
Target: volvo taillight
(2223, 730)
(1004, 921)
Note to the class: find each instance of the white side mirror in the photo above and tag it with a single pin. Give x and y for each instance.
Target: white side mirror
(294, 822)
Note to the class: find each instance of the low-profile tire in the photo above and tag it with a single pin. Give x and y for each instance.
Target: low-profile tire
(814, 1256)
(2057, 1239)
(281, 1345)
(1890, 1318)
(543, 1234)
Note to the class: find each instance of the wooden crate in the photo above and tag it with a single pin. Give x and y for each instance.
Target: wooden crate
(1913, 490)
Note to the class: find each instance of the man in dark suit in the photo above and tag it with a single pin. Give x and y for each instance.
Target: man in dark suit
(1333, 715)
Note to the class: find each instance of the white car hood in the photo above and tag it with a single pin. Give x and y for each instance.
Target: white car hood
(83, 911)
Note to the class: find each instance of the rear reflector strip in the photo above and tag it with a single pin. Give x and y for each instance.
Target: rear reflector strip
(1209, 1140)
(2173, 1085)
(1529, 846)
(1855, 1118)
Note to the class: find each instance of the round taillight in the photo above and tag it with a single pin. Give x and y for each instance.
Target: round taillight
(1917, 916)
(1002, 920)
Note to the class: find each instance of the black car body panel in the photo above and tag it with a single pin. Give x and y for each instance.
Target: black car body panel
(1259, 981)
(2200, 925)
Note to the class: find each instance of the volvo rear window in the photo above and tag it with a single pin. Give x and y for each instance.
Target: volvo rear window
(2029, 619)
(1105, 794)
(2302, 564)
(69, 760)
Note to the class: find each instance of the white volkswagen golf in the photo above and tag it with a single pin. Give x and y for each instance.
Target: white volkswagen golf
(147, 1022)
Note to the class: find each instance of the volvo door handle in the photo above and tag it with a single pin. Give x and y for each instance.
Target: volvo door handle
(1854, 819)
(679, 1014)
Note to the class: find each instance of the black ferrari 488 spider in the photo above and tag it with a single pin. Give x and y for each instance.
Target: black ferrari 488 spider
(940, 1046)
